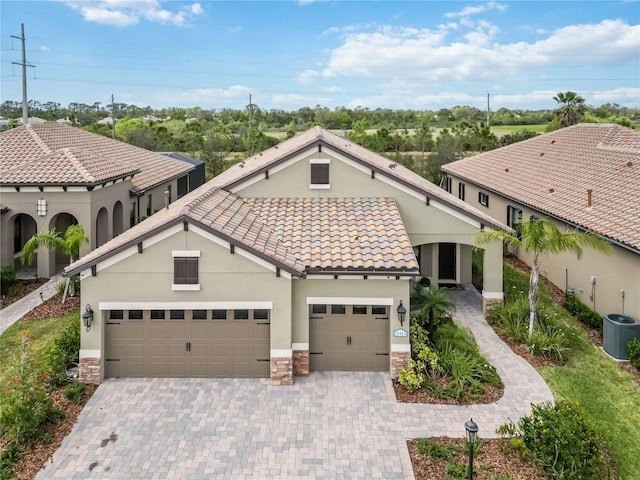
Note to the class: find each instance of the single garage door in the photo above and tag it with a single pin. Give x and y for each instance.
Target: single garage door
(349, 337)
(187, 343)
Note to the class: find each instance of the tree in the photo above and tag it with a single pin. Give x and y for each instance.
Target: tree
(68, 244)
(541, 237)
(572, 108)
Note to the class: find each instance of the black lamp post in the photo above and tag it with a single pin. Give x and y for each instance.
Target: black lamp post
(472, 434)
(401, 313)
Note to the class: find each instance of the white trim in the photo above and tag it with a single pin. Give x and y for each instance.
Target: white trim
(319, 186)
(185, 253)
(299, 346)
(281, 353)
(349, 301)
(185, 287)
(185, 305)
(85, 353)
(319, 161)
(493, 295)
(401, 347)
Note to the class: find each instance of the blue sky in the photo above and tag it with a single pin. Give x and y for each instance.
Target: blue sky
(293, 54)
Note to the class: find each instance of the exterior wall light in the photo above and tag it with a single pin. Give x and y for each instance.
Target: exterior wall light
(42, 207)
(471, 429)
(87, 317)
(402, 312)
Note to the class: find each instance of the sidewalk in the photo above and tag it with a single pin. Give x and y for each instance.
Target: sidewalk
(19, 309)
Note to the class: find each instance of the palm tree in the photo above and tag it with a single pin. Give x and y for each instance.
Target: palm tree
(572, 108)
(68, 244)
(541, 237)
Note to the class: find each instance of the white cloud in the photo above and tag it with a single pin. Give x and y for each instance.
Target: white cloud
(307, 76)
(333, 90)
(123, 13)
(468, 11)
(206, 97)
(427, 55)
(44, 48)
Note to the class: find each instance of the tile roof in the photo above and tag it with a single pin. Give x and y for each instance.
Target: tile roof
(340, 233)
(553, 172)
(281, 152)
(93, 158)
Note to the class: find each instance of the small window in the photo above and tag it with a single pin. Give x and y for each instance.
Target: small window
(261, 314)
(514, 217)
(135, 314)
(483, 199)
(149, 206)
(338, 309)
(185, 270)
(199, 314)
(448, 184)
(379, 310)
(158, 314)
(359, 309)
(132, 215)
(218, 314)
(318, 309)
(176, 314)
(319, 174)
(116, 314)
(461, 191)
(241, 314)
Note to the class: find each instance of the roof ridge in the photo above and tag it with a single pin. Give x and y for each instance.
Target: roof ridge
(41, 143)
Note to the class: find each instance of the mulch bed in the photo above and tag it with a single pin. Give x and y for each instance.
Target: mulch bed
(53, 308)
(491, 394)
(20, 289)
(496, 459)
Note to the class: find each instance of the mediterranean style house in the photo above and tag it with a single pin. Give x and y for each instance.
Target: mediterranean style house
(299, 258)
(54, 175)
(584, 177)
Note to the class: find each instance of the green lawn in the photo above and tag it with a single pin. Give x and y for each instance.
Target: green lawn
(42, 332)
(608, 395)
(504, 129)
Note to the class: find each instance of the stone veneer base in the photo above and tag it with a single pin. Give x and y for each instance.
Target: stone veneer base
(399, 361)
(90, 370)
(301, 363)
(489, 303)
(281, 371)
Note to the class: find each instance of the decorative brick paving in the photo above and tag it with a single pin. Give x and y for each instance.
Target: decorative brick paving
(330, 425)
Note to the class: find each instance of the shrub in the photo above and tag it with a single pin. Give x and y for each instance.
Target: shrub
(634, 352)
(435, 451)
(412, 377)
(65, 349)
(7, 278)
(559, 439)
(435, 307)
(582, 312)
(25, 406)
(548, 343)
(75, 392)
(8, 459)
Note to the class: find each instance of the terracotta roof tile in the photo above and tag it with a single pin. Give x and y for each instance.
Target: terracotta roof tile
(71, 155)
(603, 158)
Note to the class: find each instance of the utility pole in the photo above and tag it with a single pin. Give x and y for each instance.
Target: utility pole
(488, 110)
(25, 104)
(113, 117)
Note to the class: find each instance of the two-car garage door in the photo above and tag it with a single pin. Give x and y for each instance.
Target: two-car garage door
(187, 343)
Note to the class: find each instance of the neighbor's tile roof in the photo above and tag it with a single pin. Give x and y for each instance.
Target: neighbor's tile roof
(257, 164)
(93, 158)
(340, 233)
(552, 173)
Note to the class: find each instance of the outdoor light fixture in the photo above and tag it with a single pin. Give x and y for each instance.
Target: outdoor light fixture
(472, 434)
(87, 317)
(42, 207)
(401, 313)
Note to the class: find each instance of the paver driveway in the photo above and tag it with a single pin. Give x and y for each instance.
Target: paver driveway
(331, 425)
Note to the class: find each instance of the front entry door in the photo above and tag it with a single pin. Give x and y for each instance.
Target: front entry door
(447, 262)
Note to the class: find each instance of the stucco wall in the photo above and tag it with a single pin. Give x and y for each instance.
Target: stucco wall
(619, 271)
(148, 277)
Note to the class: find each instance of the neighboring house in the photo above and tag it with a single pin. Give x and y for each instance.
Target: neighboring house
(586, 176)
(196, 176)
(53, 176)
(295, 259)
(105, 121)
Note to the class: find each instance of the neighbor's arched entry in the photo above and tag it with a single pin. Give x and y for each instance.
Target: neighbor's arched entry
(102, 227)
(118, 219)
(59, 223)
(24, 227)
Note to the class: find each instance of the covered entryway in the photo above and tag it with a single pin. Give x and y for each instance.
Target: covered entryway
(349, 337)
(187, 343)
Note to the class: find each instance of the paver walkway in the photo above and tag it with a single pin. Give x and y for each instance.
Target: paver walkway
(331, 425)
(17, 310)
